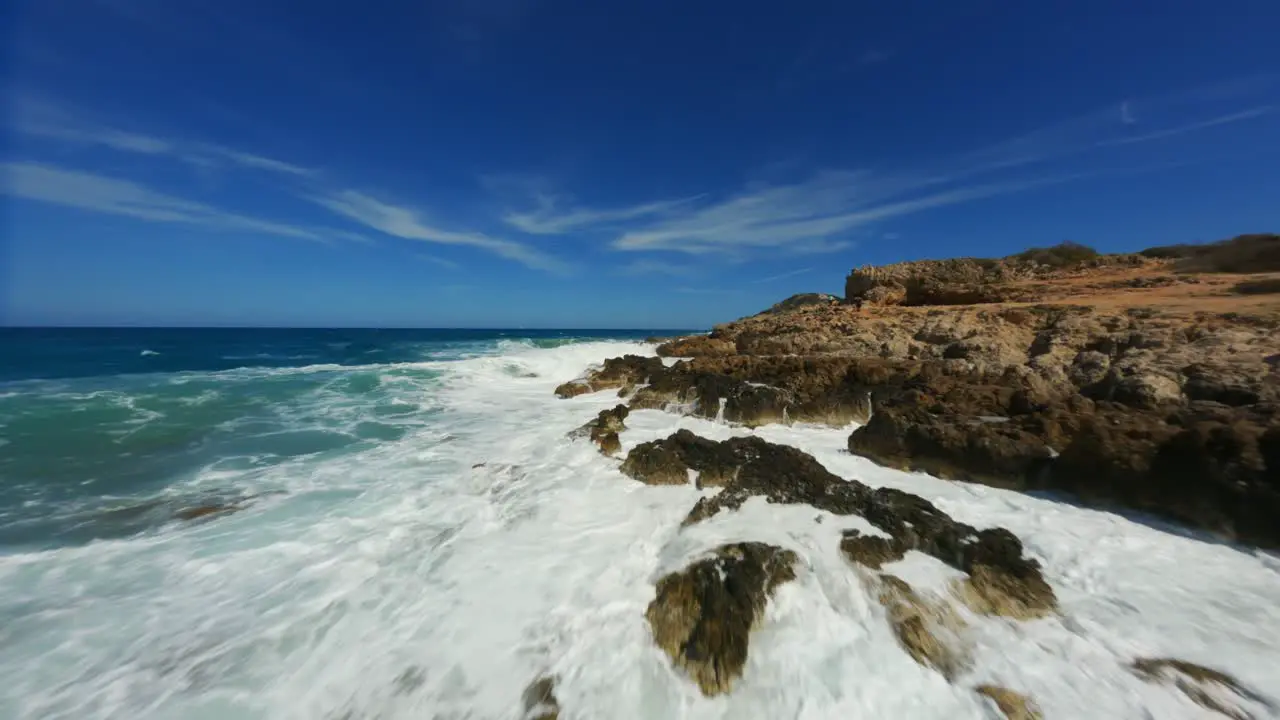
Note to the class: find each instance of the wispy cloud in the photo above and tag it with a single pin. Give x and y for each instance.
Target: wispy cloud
(256, 162)
(548, 219)
(827, 211)
(439, 261)
(1188, 128)
(655, 267)
(781, 276)
(53, 122)
(409, 224)
(1162, 117)
(805, 217)
(115, 196)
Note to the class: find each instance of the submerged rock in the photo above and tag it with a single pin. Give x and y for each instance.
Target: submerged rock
(1210, 689)
(196, 512)
(604, 429)
(1015, 706)
(928, 629)
(540, 700)
(702, 616)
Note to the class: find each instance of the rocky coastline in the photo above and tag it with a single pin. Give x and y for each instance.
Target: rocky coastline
(1144, 382)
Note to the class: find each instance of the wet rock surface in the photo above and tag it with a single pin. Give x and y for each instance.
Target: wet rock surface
(624, 372)
(702, 616)
(1003, 581)
(1015, 706)
(927, 628)
(540, 700)
(604, 429)
(1211, 689)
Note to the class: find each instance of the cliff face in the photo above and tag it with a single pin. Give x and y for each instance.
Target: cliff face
(1125, 380)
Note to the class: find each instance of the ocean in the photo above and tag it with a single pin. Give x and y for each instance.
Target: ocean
(359, 524)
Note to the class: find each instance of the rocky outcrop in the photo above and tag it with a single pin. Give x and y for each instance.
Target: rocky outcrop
(702, 616)
(625, 372)
(801, 300)
(604, 429)
(1123, 380)
(670, 461)
(970, 281)
(697, 346)
(1001, 579)
(1207, 465)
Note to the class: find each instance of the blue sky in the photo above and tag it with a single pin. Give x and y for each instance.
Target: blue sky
(624, 164)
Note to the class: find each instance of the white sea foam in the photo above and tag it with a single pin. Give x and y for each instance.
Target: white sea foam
(437, 574)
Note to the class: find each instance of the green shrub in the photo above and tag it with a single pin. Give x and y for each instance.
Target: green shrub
(1064, 254)
(1257, 287)
(1259, 252)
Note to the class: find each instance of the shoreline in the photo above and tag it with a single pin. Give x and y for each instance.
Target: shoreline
(952, 390)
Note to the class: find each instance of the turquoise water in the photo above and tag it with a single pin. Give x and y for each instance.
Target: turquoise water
(105, 433)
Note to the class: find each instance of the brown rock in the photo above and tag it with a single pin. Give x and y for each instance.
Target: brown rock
(991, 591)
(782, 474)
(1015, 706)
(573, 388)
(697, 346)
(870, 551)
(604, 429)
(540, 700)
(987, 449)
(625, 371)
(1150, 393)
(702, 616)
(668, 461)
(928, 629)
(1208, 688)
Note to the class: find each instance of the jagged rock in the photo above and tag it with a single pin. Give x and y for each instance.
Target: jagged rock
(1157, 405)
(573, 388)
(668, 461)
(625, 371)
(604, 429)
(991, 591)
(802, 300)
(751, 467)
(986, 449)
(540, 700)
(702, 616)
(1222, 384)
(697, 346)
(1015, 706)
(1211, 689)
(870, 551)
(928, 629)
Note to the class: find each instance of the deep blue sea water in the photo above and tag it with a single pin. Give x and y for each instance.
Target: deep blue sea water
(104, 432)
